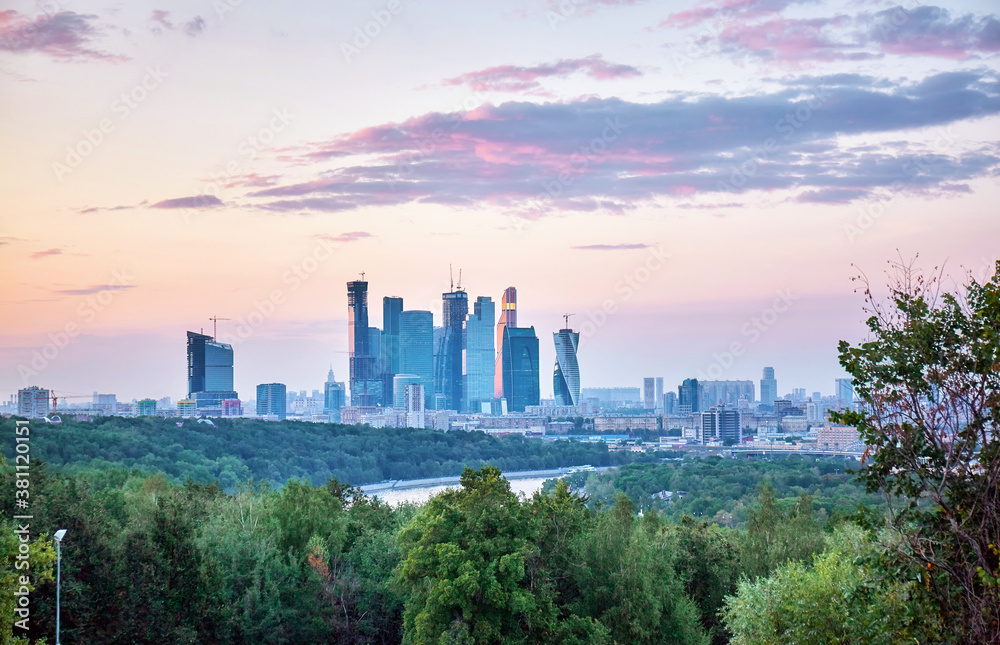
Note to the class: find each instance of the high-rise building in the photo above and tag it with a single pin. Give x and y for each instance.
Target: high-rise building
(724, 392)
(508, 318)
(768, 388)
(669, 402)
(658, 400)
(271, 400)
(845, 393)
(365, 380)
(32, 402)
(687, 396)
(721, 422)
(210, 371)
(649, 393)
(798, 394)
(413, 402)
(519, 352)
(566, 375)
(334, 397)
(147, 407)
(232, 408)
(399, 384)
(448, 373)
(392, 308)
(480, 354)
(416, 348)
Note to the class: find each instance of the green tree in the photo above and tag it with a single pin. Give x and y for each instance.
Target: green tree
(929, 380)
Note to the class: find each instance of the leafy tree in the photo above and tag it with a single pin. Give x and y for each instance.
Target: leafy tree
(929, 380)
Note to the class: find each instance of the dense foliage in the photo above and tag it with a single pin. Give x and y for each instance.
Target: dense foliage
(235, 450)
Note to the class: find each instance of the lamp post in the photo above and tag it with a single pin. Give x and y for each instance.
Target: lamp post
(60, 534)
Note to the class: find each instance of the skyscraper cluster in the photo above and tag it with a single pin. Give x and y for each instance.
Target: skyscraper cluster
(457, 365)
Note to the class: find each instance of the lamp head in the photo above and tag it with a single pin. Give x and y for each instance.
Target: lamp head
(60, 534)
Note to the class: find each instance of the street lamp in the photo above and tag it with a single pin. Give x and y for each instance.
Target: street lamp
(60, 534)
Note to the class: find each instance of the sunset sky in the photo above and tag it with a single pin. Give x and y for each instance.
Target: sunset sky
(711, 173)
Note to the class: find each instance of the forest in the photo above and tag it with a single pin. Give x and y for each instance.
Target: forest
(230, 451)
(755, 553)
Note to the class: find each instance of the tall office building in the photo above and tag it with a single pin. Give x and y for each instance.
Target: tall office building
(448, 373)
(687, 396)
(724, 392)
(271, 400)
(721, 422)
(845, 393)
(768, 388)
(413, 403)
(365, 380)
(210, 371)
(669, 402)
(334, 397)
(399, 385)
(480, 354)
(566, 375)
(649, 393)
(658, 401)
(32, 402)
(416, 348)
(508, 318)
(519, 352)
(392, 307)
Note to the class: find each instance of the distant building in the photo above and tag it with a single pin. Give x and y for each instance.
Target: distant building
(624, 423)
(271, 400)
(658, 395)
(508, 318)
(365, 379)
(416, 348)
(845, 393)
(724, 392)
(520, 367)
(722, 423)
(448, 374)
(147, 407)
(566, 374)
(687, 396)
(768, 388)
(413, 403)
(612, 395)
(187, 408)
(399, 384)
(798, 394)
(32, 402)
(836, 437)
(669, 402)
(210, 371)
(334, 396)
(480, 355)
(392, 309)
(232, 408)
(649, 393)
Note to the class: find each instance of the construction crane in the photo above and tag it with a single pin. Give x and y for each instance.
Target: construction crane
(55, 398)
(566, 319)
(215, 325)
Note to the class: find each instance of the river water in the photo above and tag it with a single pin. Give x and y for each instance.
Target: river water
(421, 495)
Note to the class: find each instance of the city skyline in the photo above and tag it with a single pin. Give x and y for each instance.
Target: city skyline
(682, 178)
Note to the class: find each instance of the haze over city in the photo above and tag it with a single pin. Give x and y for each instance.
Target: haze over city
(715, 171)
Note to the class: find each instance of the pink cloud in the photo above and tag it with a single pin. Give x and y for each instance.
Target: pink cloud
(65, 35)
(516, 78)
(37, 255)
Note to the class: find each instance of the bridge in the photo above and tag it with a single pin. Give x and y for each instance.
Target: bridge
(406, 484)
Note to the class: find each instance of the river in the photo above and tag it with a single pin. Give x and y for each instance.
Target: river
(421, 495)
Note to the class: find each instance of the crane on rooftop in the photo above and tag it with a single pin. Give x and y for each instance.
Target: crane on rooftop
(215, 325)
(566, 319)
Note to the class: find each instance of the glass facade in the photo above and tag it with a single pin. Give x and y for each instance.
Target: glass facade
(210, 371)
(566, 376)
(416, 349)
(365, 378)
(480, 355)
(520, 368)
(448, 370)
(768, 388)
(271, 399)
(508, 318)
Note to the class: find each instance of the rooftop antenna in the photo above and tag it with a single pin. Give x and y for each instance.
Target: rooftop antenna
(459, 278)
(451, 278)
(566, 319)
(362, 276)
(215, 325)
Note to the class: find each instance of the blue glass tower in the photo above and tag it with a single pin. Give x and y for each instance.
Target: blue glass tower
(566, 376)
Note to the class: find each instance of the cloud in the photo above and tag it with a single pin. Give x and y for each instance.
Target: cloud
(932, 31)
(5, 240)
(65, 35)
(98, 288)
(610, 154)
(37, 255)
(197, 201)
(161, 20)
(195, 26)
(715, 12)
(610, 247)
(352, 236)
(516, 78)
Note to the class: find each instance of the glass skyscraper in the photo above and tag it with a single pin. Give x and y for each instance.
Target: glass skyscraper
(448, 373)
(392, 307)
(271, 399)
(416, 349)
(480, 355)
(508, 318)
(333, 397)
(519, 353)
(365, 380)
(768, 388)
(210, 371)
(566, 376)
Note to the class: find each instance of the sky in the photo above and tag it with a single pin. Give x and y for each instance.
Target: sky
(697, 182)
